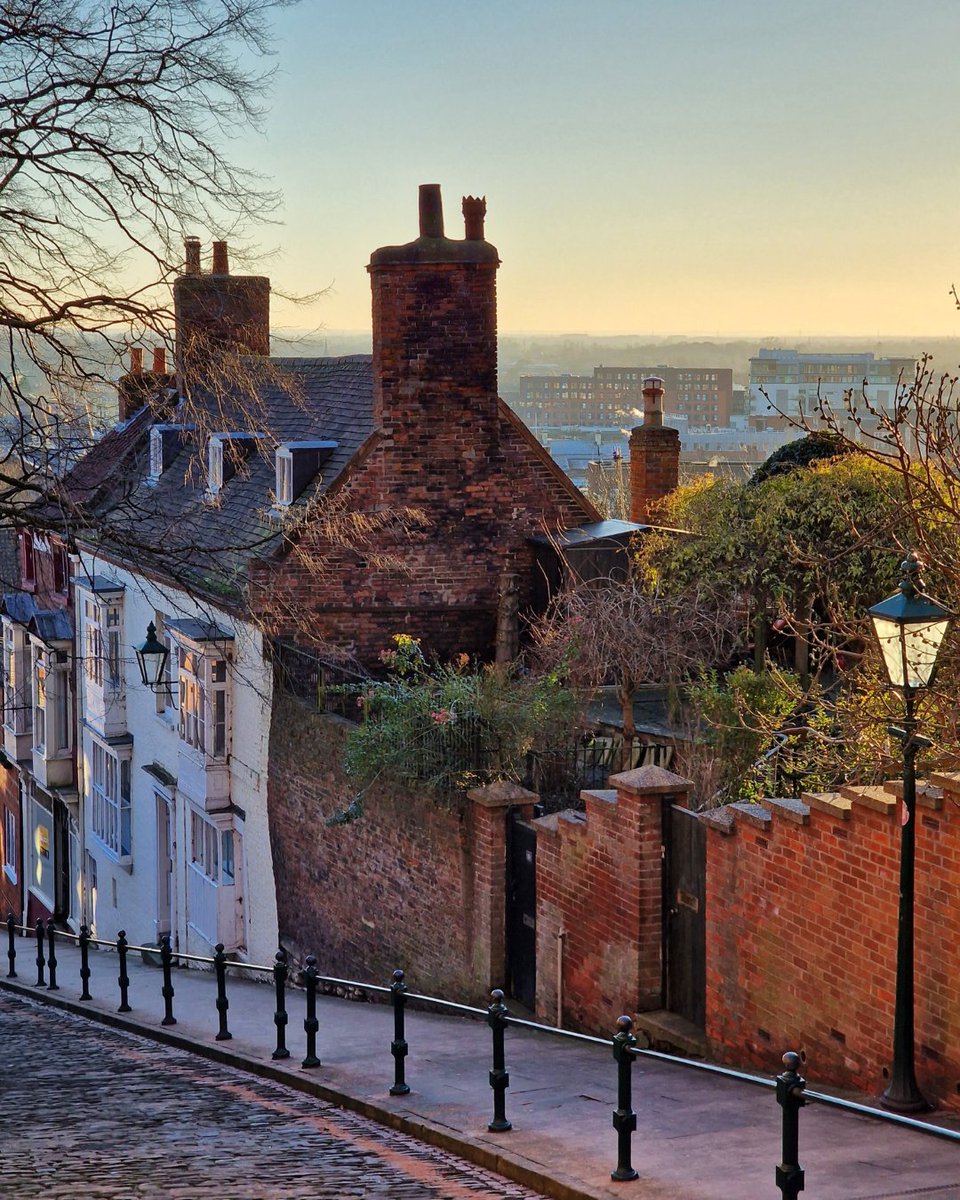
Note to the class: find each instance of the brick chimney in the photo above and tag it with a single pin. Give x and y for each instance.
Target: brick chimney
(435, 338)
(139, 387)
(654, 455)
(217, 310)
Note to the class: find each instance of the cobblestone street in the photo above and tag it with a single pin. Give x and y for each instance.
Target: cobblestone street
(91, 1112)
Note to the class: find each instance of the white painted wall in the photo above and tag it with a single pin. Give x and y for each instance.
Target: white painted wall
(127, 892)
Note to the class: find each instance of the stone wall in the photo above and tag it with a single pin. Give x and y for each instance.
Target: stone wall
(411, 882)
(801, 935)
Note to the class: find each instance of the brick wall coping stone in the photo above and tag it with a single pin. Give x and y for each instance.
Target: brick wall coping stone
(501, 794)
(649, 781)
(928, 796)
(720, 819)
(829, 802)
(793, 810)
(876, 797)
(607, 795)
(754, 814)
(948, 780)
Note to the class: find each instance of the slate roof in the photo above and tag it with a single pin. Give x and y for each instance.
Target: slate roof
(209, 542)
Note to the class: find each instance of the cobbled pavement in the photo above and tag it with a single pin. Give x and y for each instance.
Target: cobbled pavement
(89, 1112)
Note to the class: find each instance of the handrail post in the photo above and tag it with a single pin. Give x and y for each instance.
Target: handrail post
(311, 1024)
(84, 940)
(398, 1047)
(220, 966)
(624, 1118)
(52, 986)
(499, 1076)
(790, 1085)
(280, 1017)
(123, 978)
(166, 961)
(12, 945)
(41, 961)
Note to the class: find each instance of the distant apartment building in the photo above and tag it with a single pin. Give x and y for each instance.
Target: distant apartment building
(788, 382)
(613, 396)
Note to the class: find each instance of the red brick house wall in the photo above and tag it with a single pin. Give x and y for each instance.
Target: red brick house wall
(11, 892)
(443, 444)
(410, 883)
(599, 880)
(801, 935)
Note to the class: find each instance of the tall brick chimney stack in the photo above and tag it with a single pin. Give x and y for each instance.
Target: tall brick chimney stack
(216, 310)
(654, 455)
(435, 341)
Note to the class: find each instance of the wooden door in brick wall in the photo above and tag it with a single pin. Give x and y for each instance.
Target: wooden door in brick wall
(685, 913)
(522, 911)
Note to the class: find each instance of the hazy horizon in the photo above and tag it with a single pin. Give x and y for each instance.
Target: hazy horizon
(675, 164)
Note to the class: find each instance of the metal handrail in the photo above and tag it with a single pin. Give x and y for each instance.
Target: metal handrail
(520, 1022)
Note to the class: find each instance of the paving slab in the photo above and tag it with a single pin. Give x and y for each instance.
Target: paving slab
(699, 1136)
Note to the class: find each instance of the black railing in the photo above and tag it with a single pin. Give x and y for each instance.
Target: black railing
(559, 776)
(790, 1087)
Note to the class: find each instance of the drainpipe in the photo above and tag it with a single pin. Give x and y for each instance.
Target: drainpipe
(561, 938)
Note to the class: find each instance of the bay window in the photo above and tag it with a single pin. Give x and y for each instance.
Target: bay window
(110, 799)
(203, 722)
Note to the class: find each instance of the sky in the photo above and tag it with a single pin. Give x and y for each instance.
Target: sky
(699, 167)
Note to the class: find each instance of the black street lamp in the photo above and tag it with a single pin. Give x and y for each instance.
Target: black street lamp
(152, 658)
(910, 628)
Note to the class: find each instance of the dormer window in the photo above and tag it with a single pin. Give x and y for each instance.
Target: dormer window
(166, 442)
(225, 454)
(297, 464)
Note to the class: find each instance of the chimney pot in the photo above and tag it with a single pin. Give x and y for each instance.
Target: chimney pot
(221, 263)
(653, 400)
(191, 246)
(431, 211)
(136, 361)
(159, 361)
(474, 211)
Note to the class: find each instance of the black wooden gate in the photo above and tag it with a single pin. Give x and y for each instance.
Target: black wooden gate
(684, 916)
(522, 911)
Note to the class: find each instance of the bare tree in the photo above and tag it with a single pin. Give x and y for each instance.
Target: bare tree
(632, 637)
(113, 122)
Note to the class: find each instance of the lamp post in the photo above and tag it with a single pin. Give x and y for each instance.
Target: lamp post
(152, 658)
(910, 629)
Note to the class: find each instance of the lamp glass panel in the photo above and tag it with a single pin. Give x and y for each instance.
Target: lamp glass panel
(151, 666)
(910, 649)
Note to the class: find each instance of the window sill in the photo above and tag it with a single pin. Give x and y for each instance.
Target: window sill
(10, 873)
(123, 861)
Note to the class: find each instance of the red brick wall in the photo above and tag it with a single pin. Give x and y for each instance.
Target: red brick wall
(801, 936)
(599, 879)
(411, 883)
(444, 445)
(11, 894)
(654, 467)
(446, 590)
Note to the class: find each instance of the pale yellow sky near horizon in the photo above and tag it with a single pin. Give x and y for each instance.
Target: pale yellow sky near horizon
(650, 166)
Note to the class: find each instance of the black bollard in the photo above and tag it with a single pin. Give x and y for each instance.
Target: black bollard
(398, 1047)
(123, 979)
(52, 986)
(499, 1077)
(12, 945)
(84, 940)
(220, 966)
(280, 1017)
(790, 1085)
(311, 1024)
(166, 961)
(41, 961)
(624, 1118)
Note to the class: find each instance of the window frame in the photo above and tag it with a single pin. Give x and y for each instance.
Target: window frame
(111, 810)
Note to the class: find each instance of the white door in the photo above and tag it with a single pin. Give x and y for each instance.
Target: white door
(166, 855)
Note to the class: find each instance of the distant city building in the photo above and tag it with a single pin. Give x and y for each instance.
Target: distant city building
(788, 382)
(613, 396)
